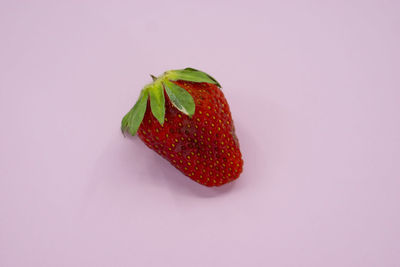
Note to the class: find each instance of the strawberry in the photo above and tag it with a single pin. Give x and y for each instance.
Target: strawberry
(192, 127)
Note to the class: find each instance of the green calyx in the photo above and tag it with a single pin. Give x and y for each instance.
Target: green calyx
(179, 97)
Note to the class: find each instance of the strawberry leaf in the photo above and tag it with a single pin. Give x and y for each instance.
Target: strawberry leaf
(192, 75)
(157, 102)
(180, 98)
(134, 117)
(209, 76)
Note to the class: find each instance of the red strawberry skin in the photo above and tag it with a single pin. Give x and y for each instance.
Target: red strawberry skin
(203, 147)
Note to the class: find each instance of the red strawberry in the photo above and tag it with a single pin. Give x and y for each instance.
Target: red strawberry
(192, 128)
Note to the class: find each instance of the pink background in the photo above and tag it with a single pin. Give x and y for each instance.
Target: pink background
(314, 89)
